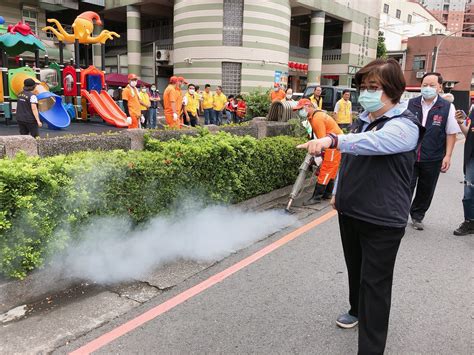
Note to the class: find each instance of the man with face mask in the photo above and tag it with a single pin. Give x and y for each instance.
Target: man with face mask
(191, 104)
(322, 125)
(131, 101)
(288, 95)
(277, 94)
(172, 103)
(434, 155)
(145, 99)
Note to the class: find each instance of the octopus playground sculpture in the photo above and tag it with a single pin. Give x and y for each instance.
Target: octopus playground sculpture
(83, 28)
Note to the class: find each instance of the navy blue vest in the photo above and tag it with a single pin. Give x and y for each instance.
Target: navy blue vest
(433, 146)
(376, 188)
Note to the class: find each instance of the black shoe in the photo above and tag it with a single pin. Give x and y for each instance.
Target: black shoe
(328, 192)
(466, 228)
(317, 195)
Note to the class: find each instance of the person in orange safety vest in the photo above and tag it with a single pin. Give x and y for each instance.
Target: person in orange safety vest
(131, 101)
(173, 103)
(322, 125)
(277, 94)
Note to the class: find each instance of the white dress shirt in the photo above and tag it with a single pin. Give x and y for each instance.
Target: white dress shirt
(452, 126)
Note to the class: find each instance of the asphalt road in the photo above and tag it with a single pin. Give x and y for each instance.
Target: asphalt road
(287, 301)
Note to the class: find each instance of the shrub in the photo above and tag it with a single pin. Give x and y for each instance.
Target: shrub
(45, 201)
(258, 103)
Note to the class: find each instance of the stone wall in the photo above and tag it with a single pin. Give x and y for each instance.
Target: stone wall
(131, 139)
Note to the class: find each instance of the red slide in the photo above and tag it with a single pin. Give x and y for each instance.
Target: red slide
(106, 107)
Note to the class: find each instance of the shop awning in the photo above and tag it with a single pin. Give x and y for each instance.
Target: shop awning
(116, 79)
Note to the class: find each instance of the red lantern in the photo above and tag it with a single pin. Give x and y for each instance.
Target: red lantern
(292, 65)
(300, 66)
(306, 67)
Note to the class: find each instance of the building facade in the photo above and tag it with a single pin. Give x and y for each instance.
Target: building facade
(402, 19)
(455, 60)
(449, 12)
(244, 45)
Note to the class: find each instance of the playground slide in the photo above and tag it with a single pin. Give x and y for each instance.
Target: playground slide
(55, 116)
(112, 105)
(106, 110)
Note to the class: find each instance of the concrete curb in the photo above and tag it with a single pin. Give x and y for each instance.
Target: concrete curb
(39, 284)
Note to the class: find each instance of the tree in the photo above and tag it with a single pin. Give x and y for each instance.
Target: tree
(381, 47)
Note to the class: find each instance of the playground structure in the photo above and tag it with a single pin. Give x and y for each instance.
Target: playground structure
(83, 87)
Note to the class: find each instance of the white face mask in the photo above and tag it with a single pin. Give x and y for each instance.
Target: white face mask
(143, 90)
(153, 89)
(288, 96)
(191, 91)
(276, 89)
(133, 83)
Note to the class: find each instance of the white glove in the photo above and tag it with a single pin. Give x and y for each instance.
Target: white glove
(175, 116)
(142, 119)
(307, 126)
(129, 121)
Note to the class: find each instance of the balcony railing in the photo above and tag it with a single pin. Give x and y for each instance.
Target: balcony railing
(331, 55)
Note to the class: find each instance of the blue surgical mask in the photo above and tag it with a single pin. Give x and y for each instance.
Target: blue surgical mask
(428, 92)
(371, 101)
(302, 113)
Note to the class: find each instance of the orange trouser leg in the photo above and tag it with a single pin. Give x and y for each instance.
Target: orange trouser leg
(171, 122)
(134, 121)
(329, 167)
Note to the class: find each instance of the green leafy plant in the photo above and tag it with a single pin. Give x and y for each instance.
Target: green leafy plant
(44, 202)
(258, 103)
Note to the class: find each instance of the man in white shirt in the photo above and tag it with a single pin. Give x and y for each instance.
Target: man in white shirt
(434, 154)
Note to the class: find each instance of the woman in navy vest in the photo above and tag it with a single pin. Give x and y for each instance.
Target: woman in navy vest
(373, 196)
(434, 155)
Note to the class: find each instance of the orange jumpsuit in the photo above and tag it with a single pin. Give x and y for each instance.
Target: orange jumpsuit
(173, 94)
(131, 95)
(322, 125)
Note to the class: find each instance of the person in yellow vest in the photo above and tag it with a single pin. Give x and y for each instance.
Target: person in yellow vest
(191, 104)
(198, 94)
(144, 106)
(219, 101)
(316, 99)
(207, 105)
(343, 110)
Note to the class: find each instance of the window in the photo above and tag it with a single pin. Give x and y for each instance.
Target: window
(431, 28)
(233, 22)
(446, 8)
(31, 18)
(409, 18)
(419, 62)
(231, 78)
(385, 8)
(398, 13)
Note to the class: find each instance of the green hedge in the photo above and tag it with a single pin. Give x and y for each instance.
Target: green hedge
(44, 201)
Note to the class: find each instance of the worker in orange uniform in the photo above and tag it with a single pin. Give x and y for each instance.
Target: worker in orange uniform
(131, 101)
(322, 125)
(173, 102)
(277, 94)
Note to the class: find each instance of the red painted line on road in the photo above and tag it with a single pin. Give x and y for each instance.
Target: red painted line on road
(195, 290)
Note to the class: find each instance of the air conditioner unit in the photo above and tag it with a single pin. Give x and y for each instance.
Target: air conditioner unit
(419, 74)
(449, 84)
(162, 55)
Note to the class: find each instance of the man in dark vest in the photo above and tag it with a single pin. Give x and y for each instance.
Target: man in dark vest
(27, 114)
(434, 154)
(467, 128)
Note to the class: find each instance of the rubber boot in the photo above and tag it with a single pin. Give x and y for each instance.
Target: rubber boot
(317, 195)
(328, 192)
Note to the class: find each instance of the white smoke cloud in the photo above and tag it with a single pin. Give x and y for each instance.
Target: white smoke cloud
(111, 250)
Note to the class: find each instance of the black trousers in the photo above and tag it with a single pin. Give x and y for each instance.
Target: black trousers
(370, 251)
(425, 177)
(27, 128)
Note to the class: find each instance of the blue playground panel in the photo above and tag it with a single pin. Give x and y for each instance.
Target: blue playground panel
(94, 82)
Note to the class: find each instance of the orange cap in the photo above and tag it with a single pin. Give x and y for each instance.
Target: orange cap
(302, 103)
(276, 85)
(132, 77)
(180, 78)
(173, 79)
